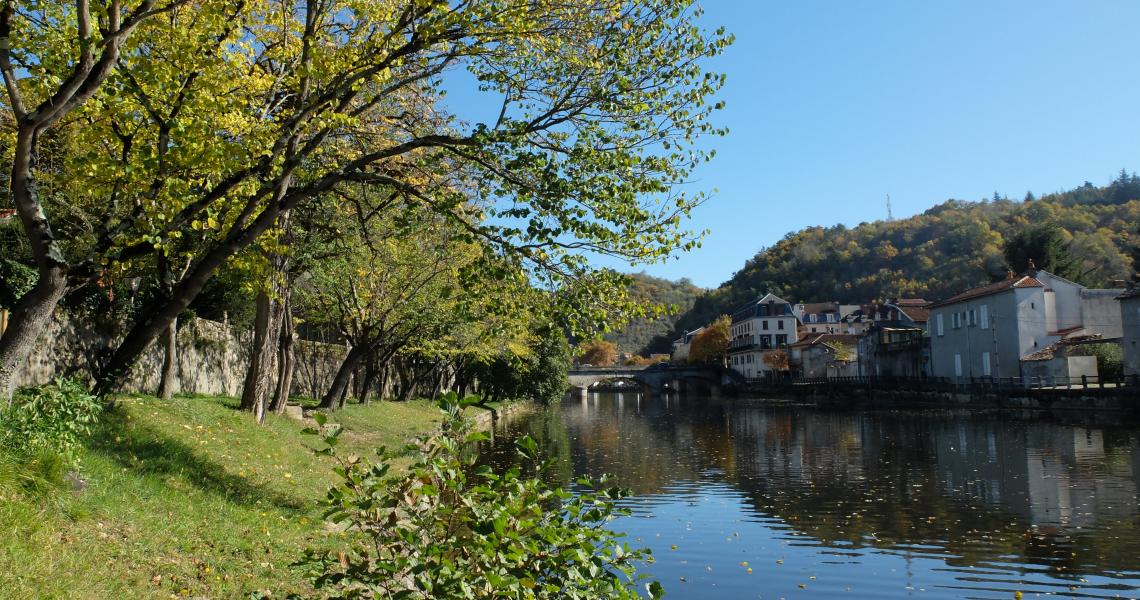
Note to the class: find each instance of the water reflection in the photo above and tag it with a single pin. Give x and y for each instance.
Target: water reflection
(871, 504)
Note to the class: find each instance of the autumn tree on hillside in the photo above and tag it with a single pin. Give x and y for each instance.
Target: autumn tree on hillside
(710, 346)
(599, 353)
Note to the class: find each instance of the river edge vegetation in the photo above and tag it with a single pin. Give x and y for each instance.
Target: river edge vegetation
(189, 497)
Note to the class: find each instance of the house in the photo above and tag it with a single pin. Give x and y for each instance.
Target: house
(1129, 302)
(986, 331)
(759, 328)
(822, 317)
(904, 312)
(683, 344)
(1055, 365)
(896, 343)
(892, 351)
(825, 355)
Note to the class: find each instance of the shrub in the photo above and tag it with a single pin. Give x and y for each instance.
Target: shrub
(448, 529)
(51, 418)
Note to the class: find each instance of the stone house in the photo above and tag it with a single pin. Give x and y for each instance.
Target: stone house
(766, 325)
(825, 355)
(987, 330)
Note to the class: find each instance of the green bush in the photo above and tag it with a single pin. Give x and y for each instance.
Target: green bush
(448, 529)
(51, 418)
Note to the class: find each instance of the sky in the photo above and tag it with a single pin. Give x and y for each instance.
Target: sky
(833, 105)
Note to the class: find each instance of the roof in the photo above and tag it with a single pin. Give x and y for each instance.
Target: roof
(7, 213)
(813, 339)
(1130, 293)
(769, 298)
(814, 308)
(915, 302)
(1025, 281)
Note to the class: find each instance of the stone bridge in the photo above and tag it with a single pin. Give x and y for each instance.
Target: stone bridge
(653, 378)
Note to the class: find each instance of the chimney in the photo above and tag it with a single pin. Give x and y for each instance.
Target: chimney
(1118, 284)
(1009, 273)
(1032, 271)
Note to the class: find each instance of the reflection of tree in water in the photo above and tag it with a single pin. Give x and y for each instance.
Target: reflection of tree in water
(969, 490)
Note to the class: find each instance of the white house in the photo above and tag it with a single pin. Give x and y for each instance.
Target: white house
(987, 330)
(683, 344)
(757, 328)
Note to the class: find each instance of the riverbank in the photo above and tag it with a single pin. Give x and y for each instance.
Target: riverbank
(188, 498)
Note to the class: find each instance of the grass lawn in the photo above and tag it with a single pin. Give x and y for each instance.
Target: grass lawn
(188, 498)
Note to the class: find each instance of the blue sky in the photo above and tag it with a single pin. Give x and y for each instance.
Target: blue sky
(832, 105)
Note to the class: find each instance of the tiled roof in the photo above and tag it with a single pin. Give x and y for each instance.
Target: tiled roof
(915, 302)
(1004, 285)
(7, 213)
(813, 339)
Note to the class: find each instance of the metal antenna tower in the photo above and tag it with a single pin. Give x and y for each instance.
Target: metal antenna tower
(890, 215)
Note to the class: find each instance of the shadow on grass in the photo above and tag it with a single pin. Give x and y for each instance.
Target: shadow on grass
(145, 450)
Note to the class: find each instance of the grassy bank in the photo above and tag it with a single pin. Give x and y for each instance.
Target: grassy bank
(187, 498)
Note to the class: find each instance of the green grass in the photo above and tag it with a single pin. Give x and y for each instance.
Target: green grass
(187, 498)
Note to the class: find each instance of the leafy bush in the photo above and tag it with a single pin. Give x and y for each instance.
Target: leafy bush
(49, 418)
(448, 529)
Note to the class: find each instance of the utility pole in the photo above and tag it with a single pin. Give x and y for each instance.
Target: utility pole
(890, 215)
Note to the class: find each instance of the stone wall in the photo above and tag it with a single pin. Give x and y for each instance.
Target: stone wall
(212, 358)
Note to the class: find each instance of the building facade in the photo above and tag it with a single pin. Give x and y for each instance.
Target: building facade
(986, 331)
(1129, 303)
(765, 326)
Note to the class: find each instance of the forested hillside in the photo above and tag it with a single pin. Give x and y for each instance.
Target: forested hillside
(957, 244)
(676, 296)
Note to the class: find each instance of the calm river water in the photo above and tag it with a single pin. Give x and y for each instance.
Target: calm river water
(741, 500)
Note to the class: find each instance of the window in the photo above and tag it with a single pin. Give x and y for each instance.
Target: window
(985, 316)
(764, 325)
(749, 359)
(780, 324)
(938, 323)
(957, 321)
(957, 365)
(781, 340)
(812, 318)
(986, 364)
(971, 321)
(765, 341)
(831, 318)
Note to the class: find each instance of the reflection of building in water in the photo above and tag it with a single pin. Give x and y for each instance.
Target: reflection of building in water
(980, 461)
(790, 447)
(1075, 481)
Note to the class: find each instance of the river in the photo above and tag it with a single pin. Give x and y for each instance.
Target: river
(739, 499)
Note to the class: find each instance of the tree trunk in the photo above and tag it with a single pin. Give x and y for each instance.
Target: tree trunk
(169, 361)
(32, 313)
(332, 398)
(260, 377)
(286, 360)
(369, 379)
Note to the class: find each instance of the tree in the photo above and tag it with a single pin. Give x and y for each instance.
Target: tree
(777, 360)
(600, 353)
(710, 346)
(602, 103)
(1046, 246)
(53, 61)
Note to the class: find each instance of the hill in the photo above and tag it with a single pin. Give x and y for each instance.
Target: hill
(644, 335)
(954, 245)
